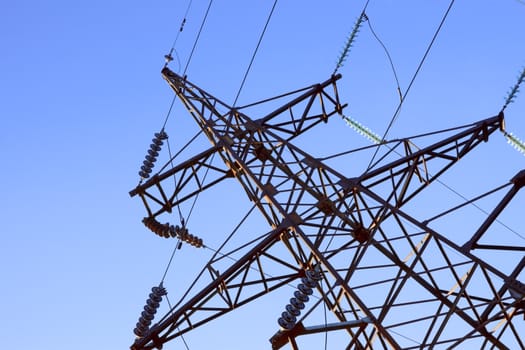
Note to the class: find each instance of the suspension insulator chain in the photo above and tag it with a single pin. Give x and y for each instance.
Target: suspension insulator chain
(162, 230)
(150, 309)
(297, 302)
(153, 153)
(183, 234)
(167, 231)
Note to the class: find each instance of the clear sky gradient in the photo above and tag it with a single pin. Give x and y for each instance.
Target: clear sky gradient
(81, 96)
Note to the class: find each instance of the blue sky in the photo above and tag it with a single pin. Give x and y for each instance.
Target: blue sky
(81, 96)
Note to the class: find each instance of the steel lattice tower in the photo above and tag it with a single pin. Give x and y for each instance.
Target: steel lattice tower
(347, 240)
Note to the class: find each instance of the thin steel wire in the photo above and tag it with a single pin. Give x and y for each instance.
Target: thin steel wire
(388, 56)
(198, 37)
(191, 53)
(255, 53)
(423, 59)
(178, 328)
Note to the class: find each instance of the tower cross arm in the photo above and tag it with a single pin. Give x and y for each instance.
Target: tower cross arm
(189, 178)
(304, 109)
(415, 169)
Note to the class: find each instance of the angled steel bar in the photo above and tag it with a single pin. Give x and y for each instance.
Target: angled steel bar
(340, 225)
(196, 175)
(196, 311)
(518, 182)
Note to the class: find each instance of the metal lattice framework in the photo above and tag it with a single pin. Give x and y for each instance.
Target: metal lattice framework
(344, 228)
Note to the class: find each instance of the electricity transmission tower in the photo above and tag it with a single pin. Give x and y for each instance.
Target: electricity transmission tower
(345, 241)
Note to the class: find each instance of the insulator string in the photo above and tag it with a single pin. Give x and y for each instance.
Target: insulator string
(153, 153)
(511, 96)
(351, 38)
(364, 131)
(170, 231)
(349, 42)
(515, 142)
(301, 296)
(150, 309)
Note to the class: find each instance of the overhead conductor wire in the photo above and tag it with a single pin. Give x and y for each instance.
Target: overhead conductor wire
(423, 59)
(255, 52)
(240, 88)
(192, 49)
(168, 59)
(387, 55)
(206, 173)
(171, 106)
(169, 56)
(236, 98)
(513, 140)
(173, 100)
(238, 93)
(340, 62)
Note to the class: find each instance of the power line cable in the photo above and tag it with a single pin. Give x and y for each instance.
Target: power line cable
(169, 112)
(198, 193)
(198, 37)
(367, 19)
(181, 218)
(423, 59)
(170, 260)
(255, 52)
(517, 234)
(172, 158)
(191, 53)
(169, 56)
(178, 328)
(184, 222)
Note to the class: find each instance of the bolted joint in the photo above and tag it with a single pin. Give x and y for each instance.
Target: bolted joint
(519, 179)
(326, 206)
(360, 233)
(261, 152)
